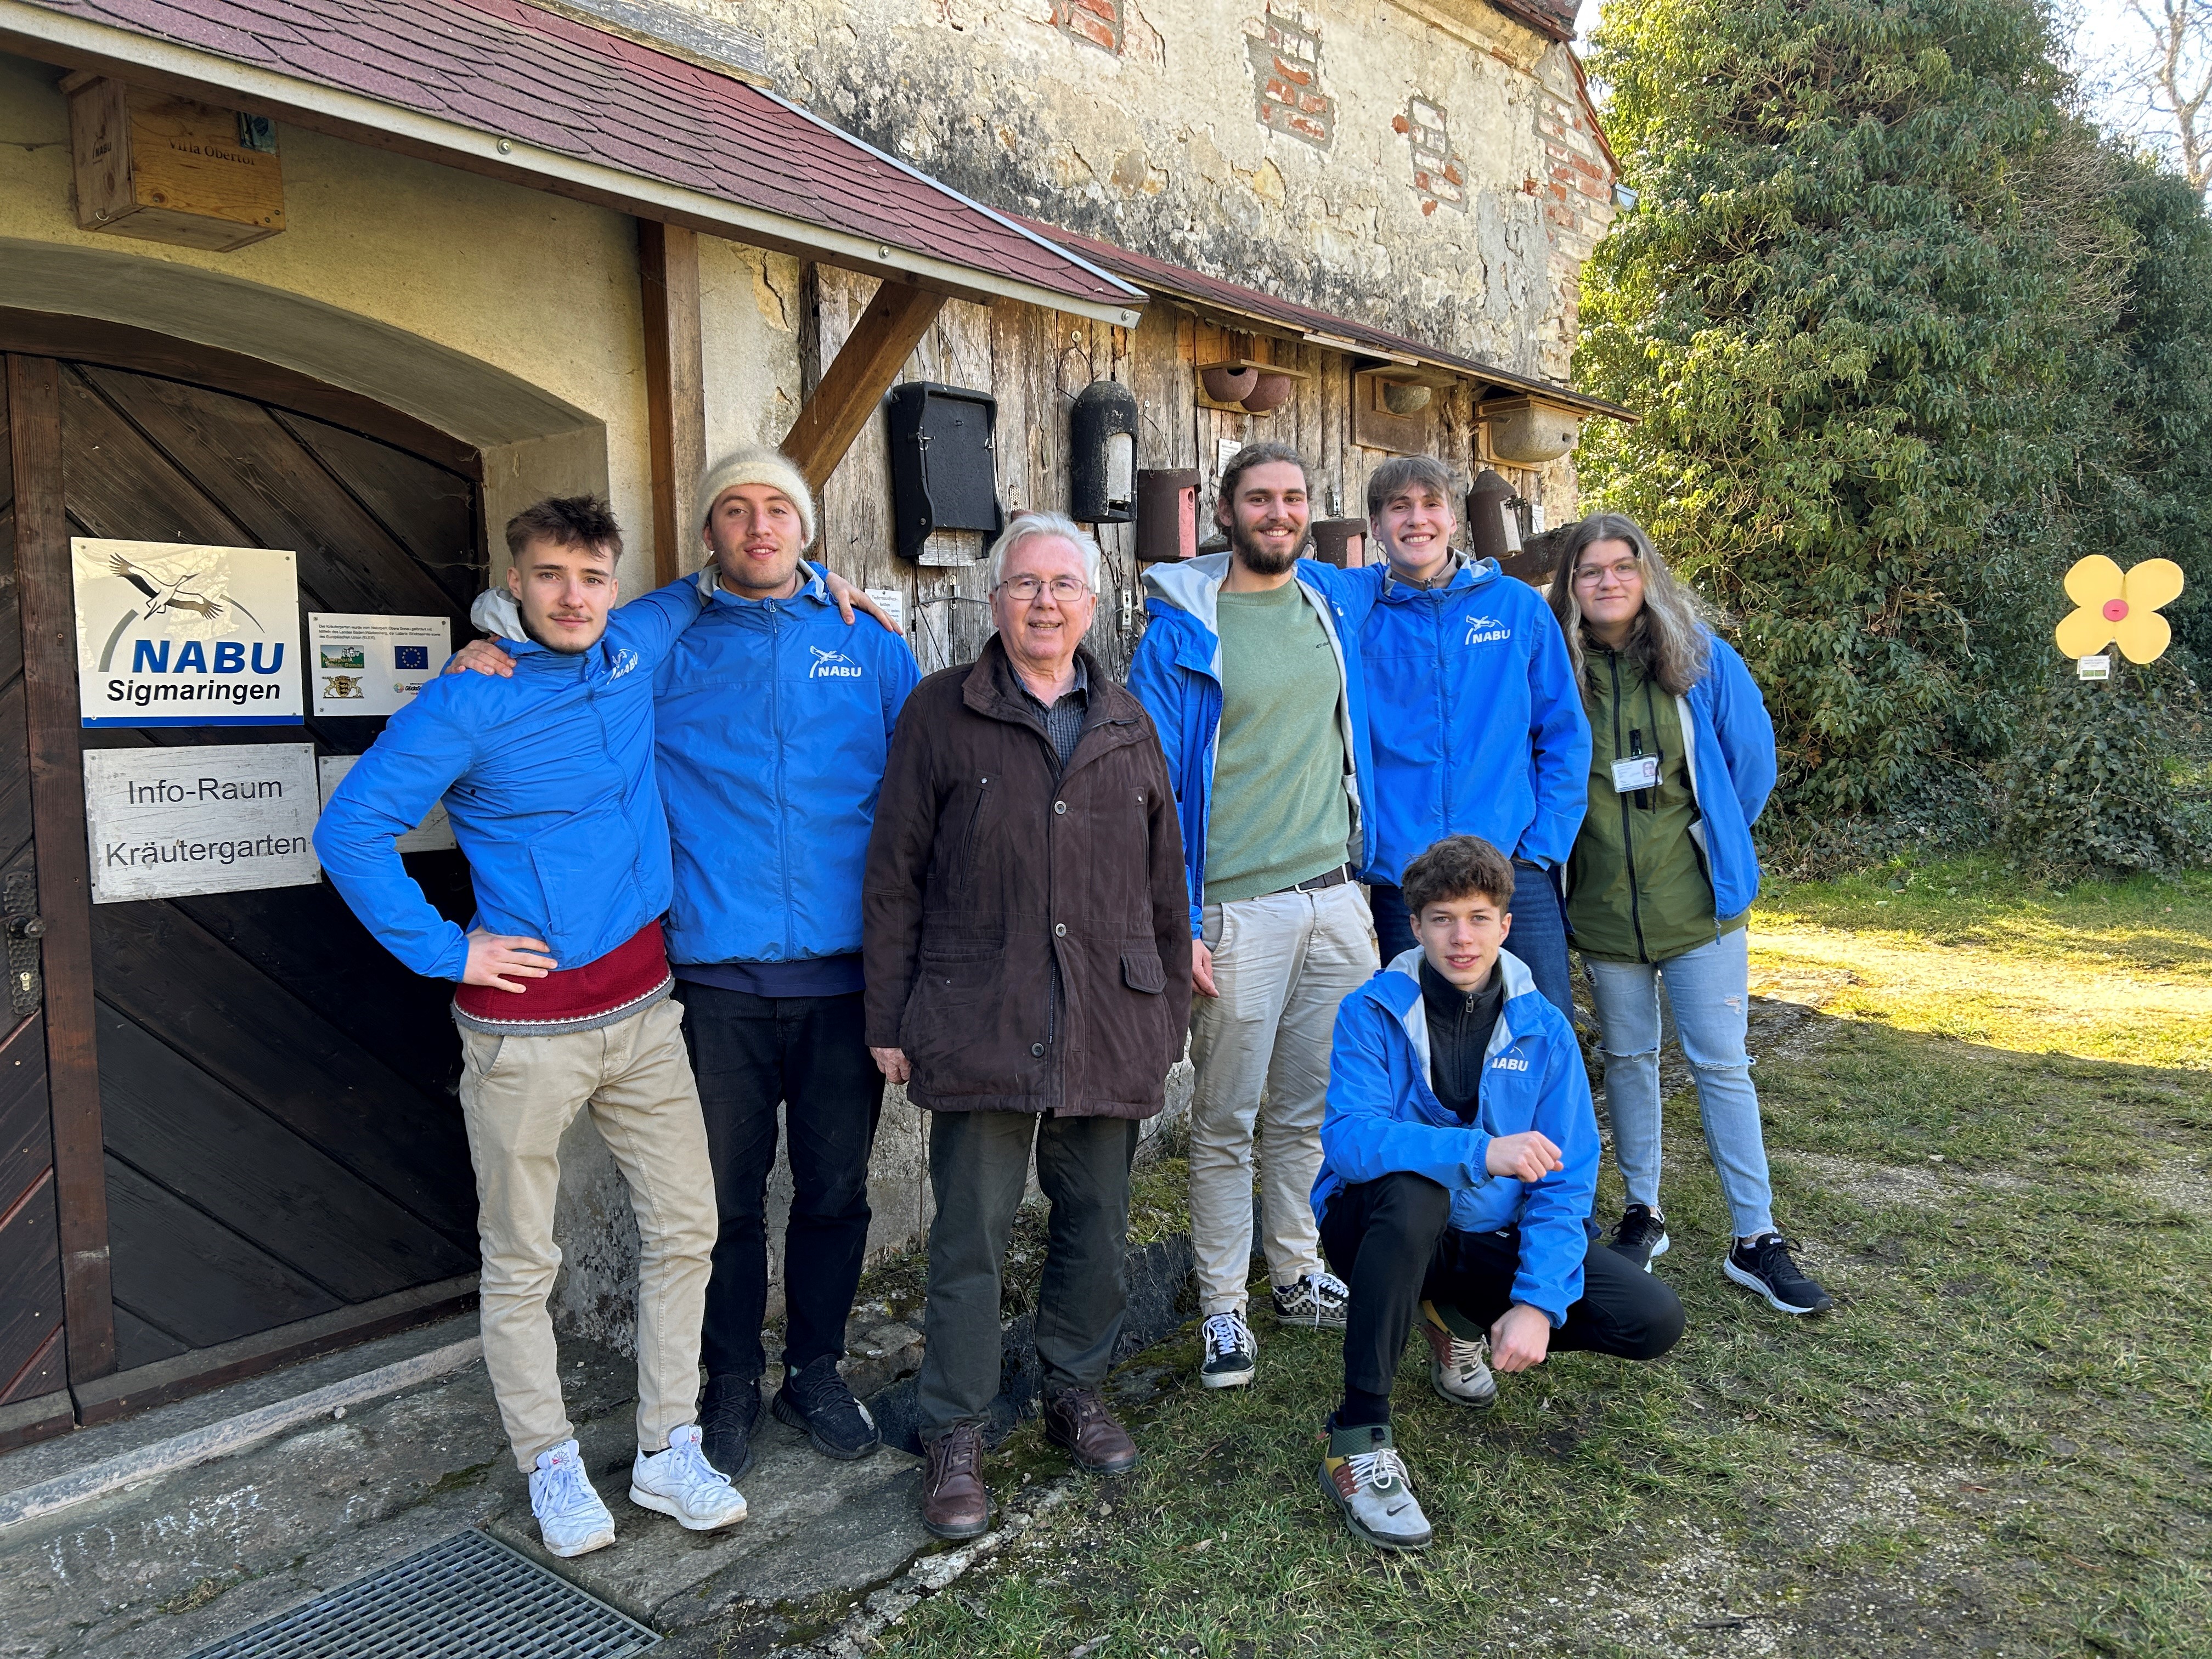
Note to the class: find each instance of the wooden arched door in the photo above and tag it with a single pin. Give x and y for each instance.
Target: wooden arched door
(281, 1166)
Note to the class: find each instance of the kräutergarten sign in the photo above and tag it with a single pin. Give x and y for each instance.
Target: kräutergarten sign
(171, 634)
(169, 821)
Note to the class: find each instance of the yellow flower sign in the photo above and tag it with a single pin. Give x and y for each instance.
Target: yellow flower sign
(2119, 606)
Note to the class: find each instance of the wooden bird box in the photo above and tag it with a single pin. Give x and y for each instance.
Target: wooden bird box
(166, 169)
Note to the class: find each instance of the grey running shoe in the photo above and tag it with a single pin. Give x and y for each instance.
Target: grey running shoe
(1458, 1367)
(1363, 1474)
(1320, 1300)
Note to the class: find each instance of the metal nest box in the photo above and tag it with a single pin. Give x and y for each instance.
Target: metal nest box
(945, 495)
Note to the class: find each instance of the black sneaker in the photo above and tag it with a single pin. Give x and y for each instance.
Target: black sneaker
(1230, 1350)
(1641, 1235)
(817, 1401)
(727, 1412)
(1765, 1266)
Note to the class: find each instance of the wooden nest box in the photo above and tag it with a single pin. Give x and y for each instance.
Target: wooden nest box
(167, 169)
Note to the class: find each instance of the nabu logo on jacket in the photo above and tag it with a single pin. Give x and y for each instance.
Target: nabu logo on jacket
(1481, 629)
(624, 660)
(1509, 1063)
(833, 665)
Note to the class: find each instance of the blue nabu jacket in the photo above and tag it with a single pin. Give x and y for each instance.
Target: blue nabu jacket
(548, 779)
(1176, 675)
(1384, 1117)
(776, 720)
(1475, 720)
(1731, 760)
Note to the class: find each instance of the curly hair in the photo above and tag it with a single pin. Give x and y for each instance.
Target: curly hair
(565, 521)
(1457, 867)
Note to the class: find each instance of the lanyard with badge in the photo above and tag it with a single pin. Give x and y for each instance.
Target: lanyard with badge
(1636, 772)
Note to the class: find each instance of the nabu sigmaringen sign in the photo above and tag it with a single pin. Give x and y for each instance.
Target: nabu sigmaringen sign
(176, 634)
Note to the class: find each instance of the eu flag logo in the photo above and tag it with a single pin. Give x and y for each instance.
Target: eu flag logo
(410, 656)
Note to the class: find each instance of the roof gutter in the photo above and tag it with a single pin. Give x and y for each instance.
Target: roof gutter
(74, 43)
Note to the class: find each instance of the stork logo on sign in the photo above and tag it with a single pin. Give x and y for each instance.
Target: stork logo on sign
(204, 594)
(832, 666)
(1481, 629)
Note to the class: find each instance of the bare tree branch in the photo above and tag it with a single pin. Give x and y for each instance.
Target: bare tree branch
(2174, 70)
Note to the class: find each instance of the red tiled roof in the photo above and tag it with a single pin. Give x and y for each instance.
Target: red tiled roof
(1211, 292)
(511, 71)
(1554, 17)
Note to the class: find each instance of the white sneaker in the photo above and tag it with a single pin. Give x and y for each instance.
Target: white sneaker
(571, 1519)
(1457, 1370)
(681, 1482)
(1362, 1473)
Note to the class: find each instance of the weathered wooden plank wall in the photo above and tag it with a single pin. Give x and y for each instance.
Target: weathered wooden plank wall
(1036, 362)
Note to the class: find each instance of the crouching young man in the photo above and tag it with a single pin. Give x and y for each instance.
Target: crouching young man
(1460, 1159)
(563, 995)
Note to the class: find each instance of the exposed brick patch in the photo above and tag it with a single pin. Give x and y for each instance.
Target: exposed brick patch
(1098, 21)
(1285, 54)
(1577, 191)
(1438, 176)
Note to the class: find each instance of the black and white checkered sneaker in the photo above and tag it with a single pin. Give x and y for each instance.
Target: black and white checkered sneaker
(1320, 1300)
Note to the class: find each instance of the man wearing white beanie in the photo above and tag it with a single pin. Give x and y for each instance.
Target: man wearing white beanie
(774, 721)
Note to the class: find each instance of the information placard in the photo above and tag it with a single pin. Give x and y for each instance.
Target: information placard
(170, 821)
(434, 834)
(175, 634)
(367, 665)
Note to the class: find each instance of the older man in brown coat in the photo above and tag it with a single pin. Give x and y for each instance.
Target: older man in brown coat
(1027, 960)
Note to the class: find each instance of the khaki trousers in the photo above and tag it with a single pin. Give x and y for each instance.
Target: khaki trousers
(518, 1095)
(1282, 963)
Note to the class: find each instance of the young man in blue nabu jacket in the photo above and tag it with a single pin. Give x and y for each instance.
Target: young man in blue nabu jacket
(1459, 1158)
(774, 715)
(562, 1000)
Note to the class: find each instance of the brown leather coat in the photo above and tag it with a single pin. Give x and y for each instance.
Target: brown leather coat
(986, 866)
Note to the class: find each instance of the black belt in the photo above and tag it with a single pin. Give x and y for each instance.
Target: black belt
(1335, 877)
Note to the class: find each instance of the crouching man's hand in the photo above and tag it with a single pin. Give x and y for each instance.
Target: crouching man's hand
(1520, 1338)
(493, 956)
(1528, 1156)
(892, 1063)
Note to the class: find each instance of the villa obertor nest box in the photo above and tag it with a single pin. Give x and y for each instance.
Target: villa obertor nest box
(167, 169)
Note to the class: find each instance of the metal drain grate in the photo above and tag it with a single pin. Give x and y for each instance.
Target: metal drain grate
(470, 1597)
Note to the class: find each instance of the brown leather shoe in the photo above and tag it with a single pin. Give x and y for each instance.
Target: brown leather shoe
(954, 1502)
(1077, 1421)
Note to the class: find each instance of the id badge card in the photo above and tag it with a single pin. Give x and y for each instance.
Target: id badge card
(1635, 772)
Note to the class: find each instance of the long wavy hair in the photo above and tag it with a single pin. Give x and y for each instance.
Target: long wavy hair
(1670, 639)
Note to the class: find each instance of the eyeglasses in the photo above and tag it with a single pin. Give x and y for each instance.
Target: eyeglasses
(1065, 589)
(1594, 576)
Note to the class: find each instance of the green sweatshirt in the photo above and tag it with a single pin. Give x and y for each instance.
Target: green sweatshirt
(1637, 886)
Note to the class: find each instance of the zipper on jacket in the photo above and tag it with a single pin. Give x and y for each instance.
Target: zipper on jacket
(1627, 819)
(775, 726)
(967, 850)
(1443, 707)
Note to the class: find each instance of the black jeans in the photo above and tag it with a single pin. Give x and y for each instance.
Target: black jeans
(750, 1054)
(978, 1164)
(1391, 1240)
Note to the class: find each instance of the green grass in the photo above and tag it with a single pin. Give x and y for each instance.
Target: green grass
(1999, 1443)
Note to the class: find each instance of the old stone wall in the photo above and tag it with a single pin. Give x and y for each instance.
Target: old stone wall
(1389, 160)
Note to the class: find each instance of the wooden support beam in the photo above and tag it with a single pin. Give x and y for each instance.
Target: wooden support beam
(47, 593)
(675, 390)
(854, 383)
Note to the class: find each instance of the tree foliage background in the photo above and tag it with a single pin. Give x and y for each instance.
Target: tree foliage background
(1908, 336)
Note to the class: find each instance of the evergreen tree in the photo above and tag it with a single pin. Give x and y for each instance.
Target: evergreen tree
(1839, 309)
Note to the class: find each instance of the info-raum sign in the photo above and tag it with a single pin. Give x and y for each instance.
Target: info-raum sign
(170, 634)
(182, 818)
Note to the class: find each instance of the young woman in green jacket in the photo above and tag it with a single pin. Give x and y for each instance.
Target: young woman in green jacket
(1661, 878)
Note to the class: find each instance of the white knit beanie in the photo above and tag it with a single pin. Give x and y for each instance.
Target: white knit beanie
(757, 464)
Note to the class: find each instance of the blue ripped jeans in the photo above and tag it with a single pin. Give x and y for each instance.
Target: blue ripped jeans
(1709, 989)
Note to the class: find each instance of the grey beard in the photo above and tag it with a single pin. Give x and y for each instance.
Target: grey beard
(1263, 560)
